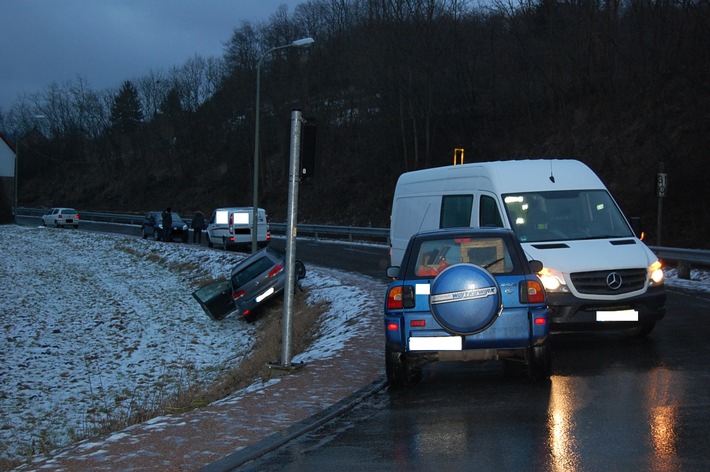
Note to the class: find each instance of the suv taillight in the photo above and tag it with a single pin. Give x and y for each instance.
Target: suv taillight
(531, 291)
(238, 294)
(400, 296)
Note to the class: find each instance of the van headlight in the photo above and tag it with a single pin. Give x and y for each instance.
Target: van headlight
(553, 280)
(655, 272)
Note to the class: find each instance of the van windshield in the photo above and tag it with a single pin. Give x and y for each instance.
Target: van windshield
(565, 215)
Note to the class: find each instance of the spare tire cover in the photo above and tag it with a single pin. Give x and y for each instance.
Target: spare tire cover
(465, 299)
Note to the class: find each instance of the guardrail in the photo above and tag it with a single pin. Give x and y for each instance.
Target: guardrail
(683, 257)
(351, 233)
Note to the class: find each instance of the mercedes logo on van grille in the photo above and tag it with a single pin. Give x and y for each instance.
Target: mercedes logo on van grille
(613, 280)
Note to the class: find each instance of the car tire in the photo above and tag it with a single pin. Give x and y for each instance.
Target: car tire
(144, 235)
(56, 224)
(224, 244)
(399, 370)
(209, 241)
(395, 368)
(300, 270)
(156, 235)
(539, 362)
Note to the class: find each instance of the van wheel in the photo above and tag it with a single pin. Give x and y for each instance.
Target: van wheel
(224, 244)
(640, 331)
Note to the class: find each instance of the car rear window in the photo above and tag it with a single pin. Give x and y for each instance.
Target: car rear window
(431, 256)
(251, 271)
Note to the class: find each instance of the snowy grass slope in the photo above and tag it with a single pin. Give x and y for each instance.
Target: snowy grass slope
(96, 327)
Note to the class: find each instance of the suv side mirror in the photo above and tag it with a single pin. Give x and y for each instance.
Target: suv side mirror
(393, 272)
(535, 266)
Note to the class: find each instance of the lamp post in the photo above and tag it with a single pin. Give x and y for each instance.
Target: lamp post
(299, 43)
(17, 167)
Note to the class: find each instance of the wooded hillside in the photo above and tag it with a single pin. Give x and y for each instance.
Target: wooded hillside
(395, 86)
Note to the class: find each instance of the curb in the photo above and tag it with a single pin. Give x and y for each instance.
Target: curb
(277, 440)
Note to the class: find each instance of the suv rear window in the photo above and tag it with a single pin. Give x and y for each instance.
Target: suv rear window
(431, 256)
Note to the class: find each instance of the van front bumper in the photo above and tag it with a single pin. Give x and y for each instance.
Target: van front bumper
(570, 313)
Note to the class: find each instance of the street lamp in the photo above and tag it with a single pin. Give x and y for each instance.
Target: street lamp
(299, 43)
(17, 159)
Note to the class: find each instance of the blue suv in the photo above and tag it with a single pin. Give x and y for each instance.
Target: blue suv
(465, 294)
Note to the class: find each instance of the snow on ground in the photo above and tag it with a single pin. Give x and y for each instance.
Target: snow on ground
(96, 325)
(100, 326)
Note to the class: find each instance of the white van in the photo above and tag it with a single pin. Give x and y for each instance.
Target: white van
(231, 227)
(597, 273)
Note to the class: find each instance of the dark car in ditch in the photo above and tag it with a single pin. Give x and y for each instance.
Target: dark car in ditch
(253, 281)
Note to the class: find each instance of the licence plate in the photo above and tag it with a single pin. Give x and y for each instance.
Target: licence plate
(69, 221)
(438, 343)
(620, 315)
(264, 295)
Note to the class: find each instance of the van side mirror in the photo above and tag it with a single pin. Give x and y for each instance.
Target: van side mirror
(535, 266)
(393, 272)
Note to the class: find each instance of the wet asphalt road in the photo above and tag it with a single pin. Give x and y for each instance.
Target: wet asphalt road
(612, 404)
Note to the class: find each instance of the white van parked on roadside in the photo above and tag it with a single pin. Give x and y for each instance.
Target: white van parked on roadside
(231, 227)
(597, 273)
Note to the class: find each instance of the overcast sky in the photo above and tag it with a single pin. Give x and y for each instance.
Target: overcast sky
(108, 41)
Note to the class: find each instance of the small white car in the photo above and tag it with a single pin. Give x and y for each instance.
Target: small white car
(61, 217)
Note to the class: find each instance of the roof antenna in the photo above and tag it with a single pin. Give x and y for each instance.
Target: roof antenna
(552, 177)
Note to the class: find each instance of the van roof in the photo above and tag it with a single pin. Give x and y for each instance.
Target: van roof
(505, 176)
(233, 209)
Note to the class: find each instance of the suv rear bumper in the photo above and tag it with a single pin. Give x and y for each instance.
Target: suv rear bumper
(514, 329)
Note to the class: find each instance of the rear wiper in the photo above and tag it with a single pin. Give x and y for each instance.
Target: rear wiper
(486, 266)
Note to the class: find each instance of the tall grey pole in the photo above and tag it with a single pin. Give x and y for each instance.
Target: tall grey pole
(299, 43)
(17, 167)
(255, 189)
(293, 179)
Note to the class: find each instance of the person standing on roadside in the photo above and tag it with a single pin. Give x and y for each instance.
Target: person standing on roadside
(167, 223)
(198, 224)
